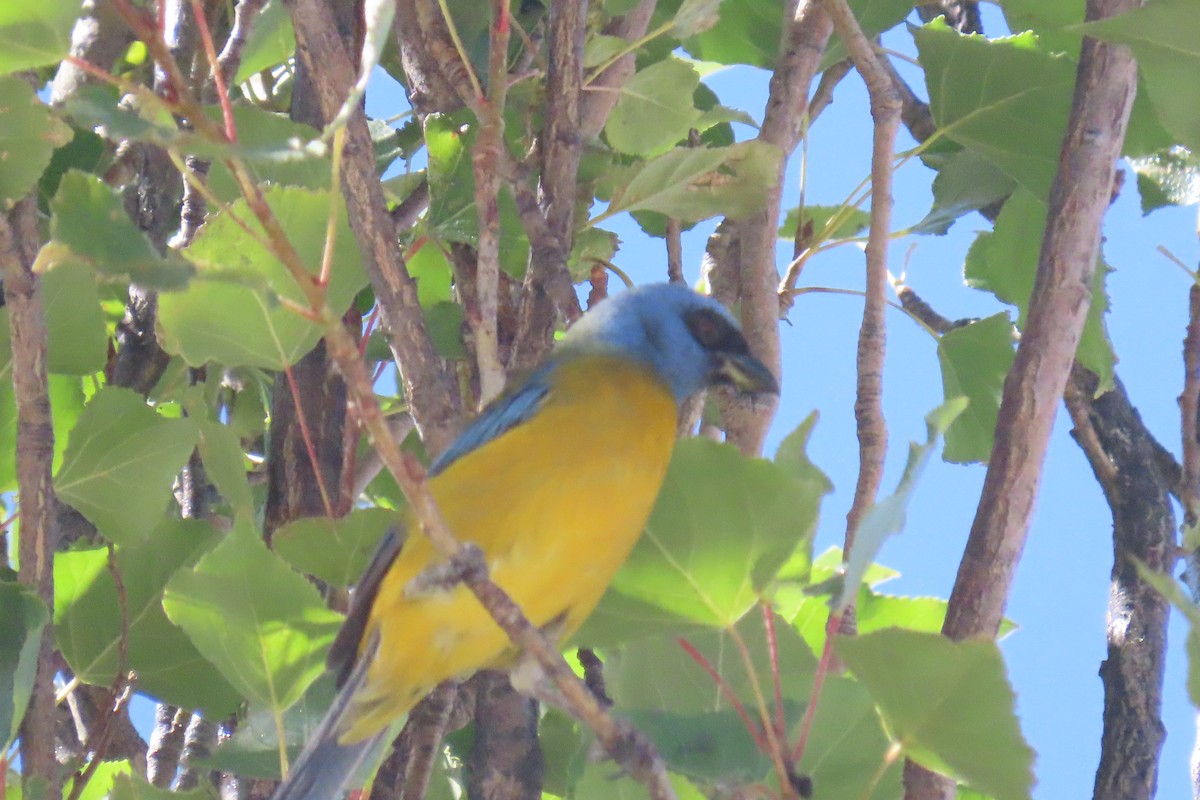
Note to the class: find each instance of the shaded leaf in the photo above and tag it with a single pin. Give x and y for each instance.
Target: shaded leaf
(966, 182)
(22, 617)
(975, 359)
(272, 41)
(948, 704)
(823, 223)
(335, 550)
(1004, 262)
(120, 462)
(263, 626)
(224, 464)
(29, 135)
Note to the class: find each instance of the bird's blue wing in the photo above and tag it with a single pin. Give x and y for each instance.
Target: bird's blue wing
(507, 412)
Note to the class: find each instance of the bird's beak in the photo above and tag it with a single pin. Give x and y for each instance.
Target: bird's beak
(746, 373)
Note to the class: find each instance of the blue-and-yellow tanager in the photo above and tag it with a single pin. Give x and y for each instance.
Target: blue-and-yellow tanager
(554, 482)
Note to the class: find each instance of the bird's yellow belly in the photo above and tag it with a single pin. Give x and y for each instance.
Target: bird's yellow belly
(556, 504)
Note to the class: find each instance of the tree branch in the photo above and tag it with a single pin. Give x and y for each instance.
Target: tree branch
(35, 487)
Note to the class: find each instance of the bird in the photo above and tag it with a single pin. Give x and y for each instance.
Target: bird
(554, 483)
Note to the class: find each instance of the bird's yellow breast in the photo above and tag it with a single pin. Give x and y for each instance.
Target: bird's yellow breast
(555, 503)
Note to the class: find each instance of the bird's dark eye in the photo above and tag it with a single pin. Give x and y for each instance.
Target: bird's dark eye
(715, 333)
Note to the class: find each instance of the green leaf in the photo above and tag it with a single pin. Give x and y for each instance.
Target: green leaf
(224, 460)
(692, 184)
(22, 617)
(966, 182)
(260, 623)
(335, 550)
(847, 748)
(695, 16)
(66, 404)
(654, 109)
(134, 787)
(120, 462)
(667, 694)
(35, 34)
(272, 41)
(975, 359)
(76, 337)
(721, 529)
(1167, 178)
(948, 704)
(87, 618)
(231, 312)
(101, 781)
(1003, 98)
(90, 219)
(1054, 23)
(253, 749)
(1004, 263)
(887, 516)
(823, 223)
(28, 137)
(747, 32)
(1165, 37)
(274, 149)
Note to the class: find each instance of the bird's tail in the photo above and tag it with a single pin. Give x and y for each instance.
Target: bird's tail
(326, 767)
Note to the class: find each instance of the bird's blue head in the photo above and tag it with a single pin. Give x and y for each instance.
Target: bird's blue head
(690, 340)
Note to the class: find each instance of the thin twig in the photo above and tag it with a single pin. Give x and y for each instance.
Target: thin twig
(868, 405)
(485, 158)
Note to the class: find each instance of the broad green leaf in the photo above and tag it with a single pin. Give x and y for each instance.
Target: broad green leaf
(272, 41)
(721, 529)
(695, 16)
(966, 182)
(134, 787)
(674, 700)
(263, 626)
(600, 782)
(120, 462)
(90, 219)
(654, 109)
(593, 247)
(101, 781)
(274, 149)
(35, 34)
(22, 617)
(28, 137)
(1004, 262)
(887, 516)
(335, 550)
(691, 184)
(823, 223)
(253, 749)
(1005, 99)
(224, 462)
(947, 704)
(1054, 23)
(1165, 37)
(231, 311)
(975, 359)
(76, 338)
(87, 617)
(847, 749)
(747, 32)
(1167, 178)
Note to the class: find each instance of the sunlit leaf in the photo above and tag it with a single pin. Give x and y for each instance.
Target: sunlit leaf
(29, 134)
(34, 34)
(948, 704)
(22, 617)
(975, 359)
(335, 550)
(261, 624)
